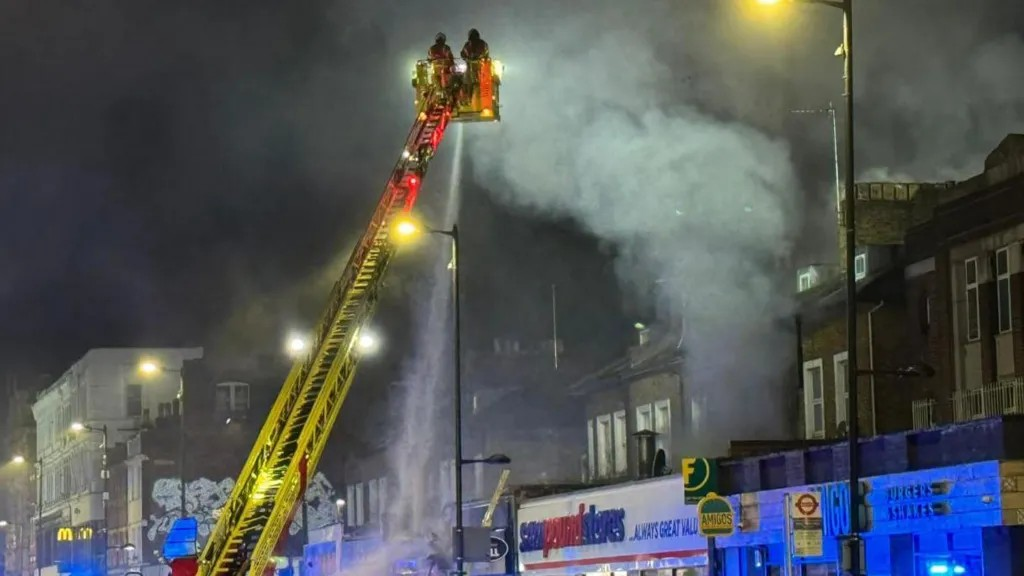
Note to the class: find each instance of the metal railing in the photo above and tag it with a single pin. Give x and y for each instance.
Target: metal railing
(1001, 398)
(924, 413)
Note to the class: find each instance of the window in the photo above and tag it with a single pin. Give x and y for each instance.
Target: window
(619, 421)
(645, 336)
(643, 418)
(1003, 289)
(232, 397)
(373, 500)
(382, 491)
(591, 449)
(804, 282)
(842, 391)
(663, 426)
(814, 400)
(860, 266)
(133, 399)
(971, 296)
(350, 510)
(604, 445)
(360, 505)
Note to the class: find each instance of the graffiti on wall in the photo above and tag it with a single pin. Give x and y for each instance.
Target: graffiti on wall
(204, 498)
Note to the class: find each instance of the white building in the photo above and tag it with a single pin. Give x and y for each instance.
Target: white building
(105, 388)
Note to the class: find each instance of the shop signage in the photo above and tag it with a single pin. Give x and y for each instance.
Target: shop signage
(665, 529)
(586, 528)
(499, 548)
(806, 522)
(700, 476)
(911, 501)
(72, 534)
(715, 516)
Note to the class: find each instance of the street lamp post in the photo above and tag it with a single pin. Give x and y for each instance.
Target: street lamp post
(853, 541)
(105, 476)
(150, 367)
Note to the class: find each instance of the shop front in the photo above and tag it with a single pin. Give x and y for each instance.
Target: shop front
(641, 529)
(938, 521)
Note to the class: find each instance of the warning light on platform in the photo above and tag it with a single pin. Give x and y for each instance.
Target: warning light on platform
(413, 180)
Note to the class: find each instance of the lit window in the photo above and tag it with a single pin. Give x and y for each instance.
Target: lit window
(620, 441)
(814, 400)
(591, 448)
(663, 426)
(842, 391)
(860, 266)
(804, 282)
(971, 297)
(1003, 289)
(604, 445)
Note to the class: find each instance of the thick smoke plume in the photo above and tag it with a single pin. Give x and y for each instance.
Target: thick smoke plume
(708, 207)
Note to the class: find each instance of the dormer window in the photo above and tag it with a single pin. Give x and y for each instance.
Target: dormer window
(805, 282)
(860, 266)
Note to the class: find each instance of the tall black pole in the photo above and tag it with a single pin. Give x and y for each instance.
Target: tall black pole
(851, 295)
(39, 518)
(105, 472)
(459, 540)
(181, 435)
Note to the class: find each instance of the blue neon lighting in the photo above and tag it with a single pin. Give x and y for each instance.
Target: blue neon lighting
(938, 568)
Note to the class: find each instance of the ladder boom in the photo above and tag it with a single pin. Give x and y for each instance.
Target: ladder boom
(293, 437)
(266, 493)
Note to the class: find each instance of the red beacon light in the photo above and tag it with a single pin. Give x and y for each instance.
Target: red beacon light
(413, 181)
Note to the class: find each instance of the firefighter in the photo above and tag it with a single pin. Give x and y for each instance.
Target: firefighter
(442, 61)
(474, 50)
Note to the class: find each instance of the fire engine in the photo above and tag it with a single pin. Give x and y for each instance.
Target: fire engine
(252, 524)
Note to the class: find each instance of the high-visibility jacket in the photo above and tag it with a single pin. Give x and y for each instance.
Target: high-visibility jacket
(440, 52)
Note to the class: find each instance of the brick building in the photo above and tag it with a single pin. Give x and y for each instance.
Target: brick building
(938, 268)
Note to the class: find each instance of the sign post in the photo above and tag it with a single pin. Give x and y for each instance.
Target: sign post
(805, 510)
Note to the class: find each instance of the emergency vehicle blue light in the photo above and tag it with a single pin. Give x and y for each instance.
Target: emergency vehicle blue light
(946, 568)
(182, 540)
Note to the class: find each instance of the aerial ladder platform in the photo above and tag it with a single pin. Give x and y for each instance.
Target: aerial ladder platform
(253, 523)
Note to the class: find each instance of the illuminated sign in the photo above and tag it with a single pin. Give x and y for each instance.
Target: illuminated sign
(71, 534)
(665, 529)
(587, 528)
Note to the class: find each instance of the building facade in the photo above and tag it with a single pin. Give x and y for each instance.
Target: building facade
(104, 397)
(939, 293)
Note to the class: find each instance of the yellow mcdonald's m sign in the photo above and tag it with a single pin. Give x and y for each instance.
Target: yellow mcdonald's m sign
(72, 534)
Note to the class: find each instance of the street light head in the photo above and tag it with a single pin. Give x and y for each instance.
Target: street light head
(297, 345)
(497, 459)
(18, 459)
(77, 426)
(340, 502)
(149, 367)
(3, 523)
(368, 343)
(129, 547)
(406, 229)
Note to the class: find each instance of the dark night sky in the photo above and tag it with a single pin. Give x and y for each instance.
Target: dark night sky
(184, 173)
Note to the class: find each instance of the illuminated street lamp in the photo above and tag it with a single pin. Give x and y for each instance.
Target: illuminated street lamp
(18, 459)
(368, 342)
(297, 345)
(405, 230)
(149, 367)
(853, 543)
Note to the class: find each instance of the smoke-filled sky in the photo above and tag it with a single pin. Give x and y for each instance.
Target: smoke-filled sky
(192, 172)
